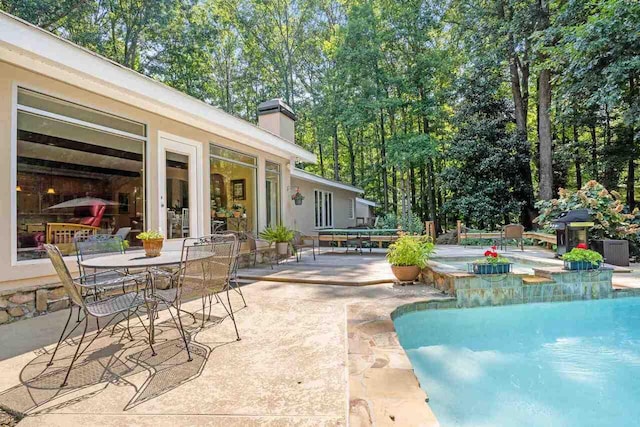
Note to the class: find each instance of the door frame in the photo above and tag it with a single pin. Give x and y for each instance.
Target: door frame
(192, 149)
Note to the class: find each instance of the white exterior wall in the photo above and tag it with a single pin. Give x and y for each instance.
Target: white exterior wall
(304, 215)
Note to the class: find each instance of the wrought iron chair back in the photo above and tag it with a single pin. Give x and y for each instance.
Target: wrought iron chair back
(65, 276)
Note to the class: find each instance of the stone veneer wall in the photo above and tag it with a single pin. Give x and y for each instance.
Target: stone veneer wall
(549, 284)
(26, 302)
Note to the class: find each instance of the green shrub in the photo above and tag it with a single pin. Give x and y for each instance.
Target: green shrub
(411, 224)
(585, 255)
(150, 235)
(410, 250)
(605, 207)
(277, 234)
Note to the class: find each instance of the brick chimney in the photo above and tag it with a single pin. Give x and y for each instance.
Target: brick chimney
(277, 117)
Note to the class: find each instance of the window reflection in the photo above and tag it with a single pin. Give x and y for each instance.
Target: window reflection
(233, 190)
(74, 180)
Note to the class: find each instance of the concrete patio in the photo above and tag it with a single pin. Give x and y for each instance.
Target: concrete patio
(290, 368)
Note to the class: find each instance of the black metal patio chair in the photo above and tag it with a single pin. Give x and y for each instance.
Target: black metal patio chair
(109, 307)
(204, 272)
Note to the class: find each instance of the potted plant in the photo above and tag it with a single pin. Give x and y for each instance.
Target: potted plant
(297, 197)
(581, 258)
(237, 210)
(151, 242)
(492, 263)
(280, 235)
(409, 255)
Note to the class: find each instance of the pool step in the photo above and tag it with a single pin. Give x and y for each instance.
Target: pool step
(536, 280)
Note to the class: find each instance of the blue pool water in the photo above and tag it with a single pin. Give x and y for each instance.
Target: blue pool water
(555, 364)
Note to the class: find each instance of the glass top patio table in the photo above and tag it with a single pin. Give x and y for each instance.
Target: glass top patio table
(133, 260)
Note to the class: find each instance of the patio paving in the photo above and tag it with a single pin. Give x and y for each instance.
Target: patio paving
(329, 268)
(290, 368)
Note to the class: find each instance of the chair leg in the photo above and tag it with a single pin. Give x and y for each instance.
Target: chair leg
(230, 313)
(61, 335)
(181, 331)
(75, 356)
(238, 289)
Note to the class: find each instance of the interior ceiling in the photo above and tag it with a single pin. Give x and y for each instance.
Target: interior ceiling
(82, 158)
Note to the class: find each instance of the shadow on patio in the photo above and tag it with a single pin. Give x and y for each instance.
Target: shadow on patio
(115, 360)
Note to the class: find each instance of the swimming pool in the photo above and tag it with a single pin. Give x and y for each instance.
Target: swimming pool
(550, 364)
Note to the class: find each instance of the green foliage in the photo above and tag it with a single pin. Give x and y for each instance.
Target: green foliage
(487, 156)
(419, 95)
(150, 235)
(605, 207)
(277, 234)
(237, 207)
(584, 255)
(410, 250)
(411, 224)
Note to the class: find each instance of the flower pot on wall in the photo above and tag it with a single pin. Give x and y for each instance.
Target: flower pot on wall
(282, 248)
(297, 202)
(491, 268)
(580, 265)
(405, 273)
(152, 247)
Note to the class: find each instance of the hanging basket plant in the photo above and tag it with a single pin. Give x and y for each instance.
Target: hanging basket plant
(297, 197)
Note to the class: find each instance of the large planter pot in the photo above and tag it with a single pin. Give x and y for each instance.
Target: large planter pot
(499, 268)
(406, 273)
(282, 248)
(152, 247)
(236, 214)
(580, 265)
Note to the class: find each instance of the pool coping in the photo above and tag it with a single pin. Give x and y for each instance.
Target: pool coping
(383, 388)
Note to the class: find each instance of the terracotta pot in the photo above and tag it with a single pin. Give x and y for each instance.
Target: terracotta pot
(236, 214)
(406, 273)
(282, 248)
(152, 247)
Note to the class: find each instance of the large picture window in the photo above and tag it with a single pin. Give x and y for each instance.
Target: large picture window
(79, 172)
(233, 190)
(323, 208)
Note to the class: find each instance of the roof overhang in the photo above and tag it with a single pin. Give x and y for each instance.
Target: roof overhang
(33, 48)
(366, 202)
(306, 176)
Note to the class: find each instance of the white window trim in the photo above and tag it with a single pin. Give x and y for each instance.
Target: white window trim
(13, 181)
(324, 216)
(352, 204)
(258, 172)
(176, 144)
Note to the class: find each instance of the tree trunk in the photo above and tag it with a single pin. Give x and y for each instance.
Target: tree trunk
(631, 182)
(352, 158)
(412, 185)
(423, 193)
(336, 154)
(394, 189)
(383, 161)
(320, 154)
(577, 158)
(594, 153)
(544, 132)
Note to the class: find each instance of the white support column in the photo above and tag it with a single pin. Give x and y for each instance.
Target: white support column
(261, 194)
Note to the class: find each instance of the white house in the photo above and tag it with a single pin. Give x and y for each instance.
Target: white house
(77, 127)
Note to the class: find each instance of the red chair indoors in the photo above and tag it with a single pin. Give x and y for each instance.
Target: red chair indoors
(85, 222)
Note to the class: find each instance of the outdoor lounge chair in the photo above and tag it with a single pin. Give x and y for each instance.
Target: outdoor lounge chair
(128, 303)
(303, 242)
(512, 232)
